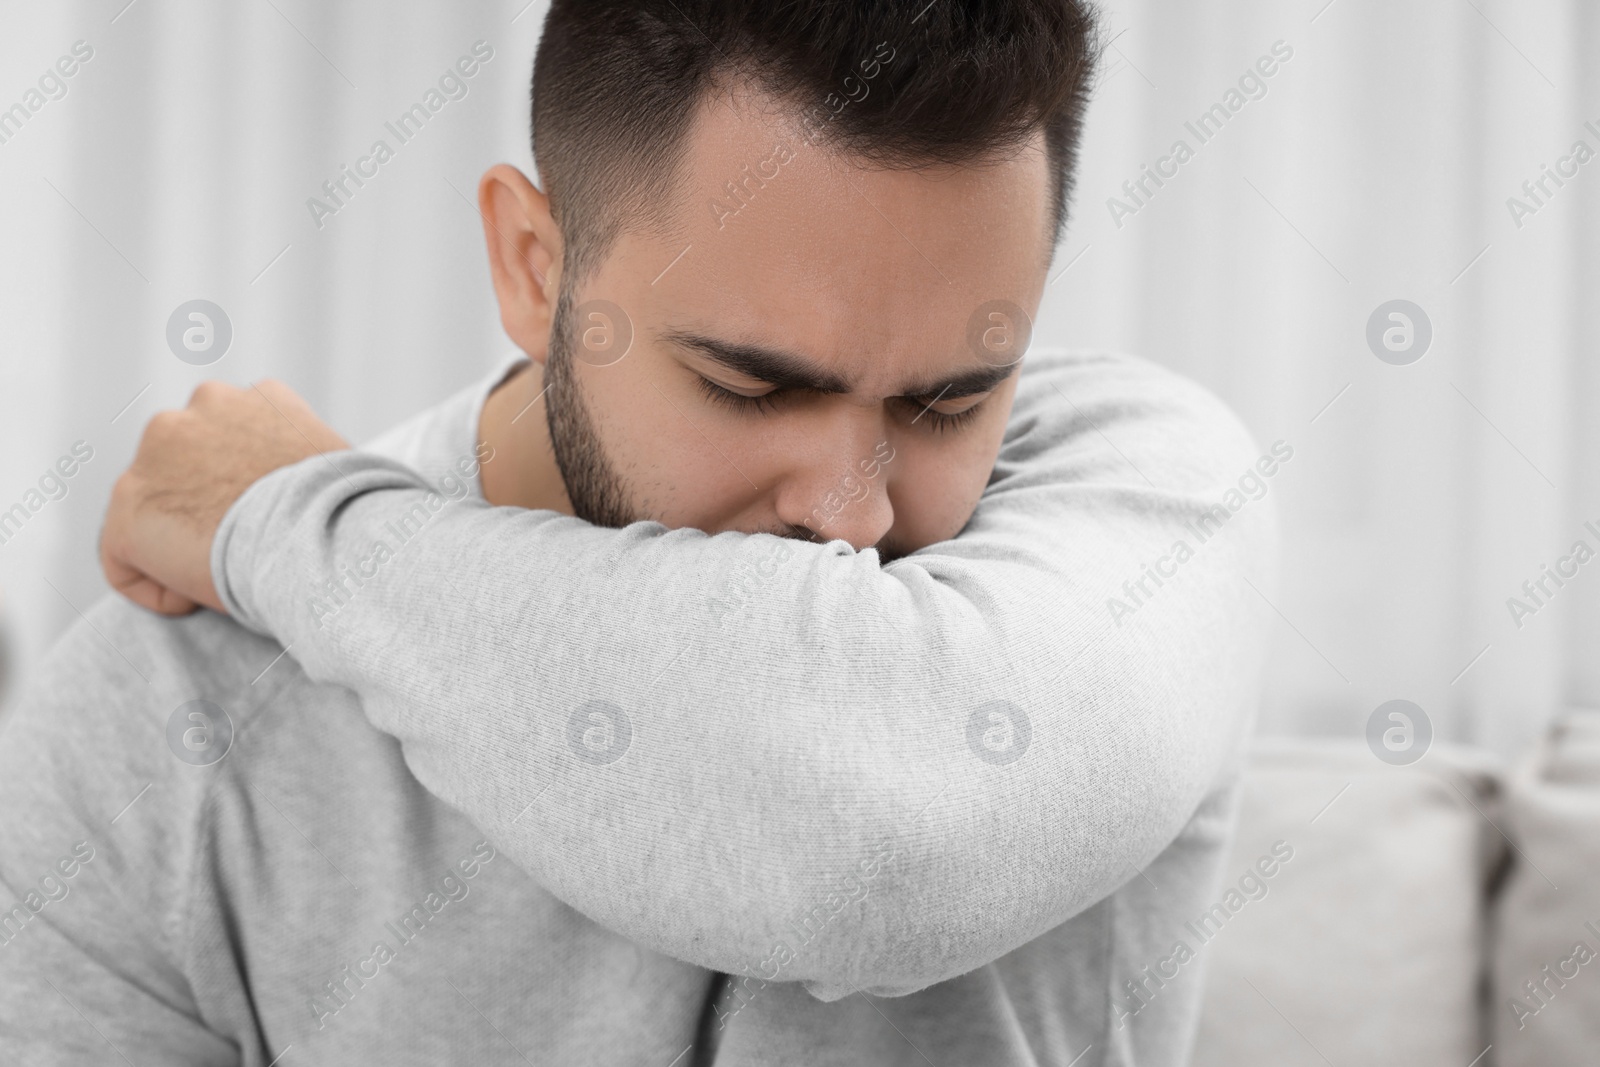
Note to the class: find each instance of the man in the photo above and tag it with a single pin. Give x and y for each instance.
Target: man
(772, 668)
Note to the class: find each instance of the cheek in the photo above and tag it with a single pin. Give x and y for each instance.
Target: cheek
(935, 487)
(936, 483)
(674, 458)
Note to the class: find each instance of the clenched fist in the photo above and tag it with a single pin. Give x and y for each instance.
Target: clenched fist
(190, 468)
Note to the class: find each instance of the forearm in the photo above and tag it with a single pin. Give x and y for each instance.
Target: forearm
(807, 741)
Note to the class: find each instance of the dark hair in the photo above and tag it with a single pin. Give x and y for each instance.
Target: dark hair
(616, 84)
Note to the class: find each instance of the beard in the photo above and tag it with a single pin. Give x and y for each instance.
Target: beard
(595, 488)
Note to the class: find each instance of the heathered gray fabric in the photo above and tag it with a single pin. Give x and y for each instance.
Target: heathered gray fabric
(799, 791)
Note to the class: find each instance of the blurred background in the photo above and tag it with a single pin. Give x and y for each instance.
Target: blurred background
(1383, 159)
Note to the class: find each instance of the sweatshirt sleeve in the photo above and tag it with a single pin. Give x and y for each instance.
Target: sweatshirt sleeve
(778, 758)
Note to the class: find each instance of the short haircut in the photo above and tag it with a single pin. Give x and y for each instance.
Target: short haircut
(617, 83)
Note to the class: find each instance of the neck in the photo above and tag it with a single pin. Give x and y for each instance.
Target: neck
(522, 471)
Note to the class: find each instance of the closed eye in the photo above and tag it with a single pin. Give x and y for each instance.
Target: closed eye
(921, 412)
(942, 420)
(737, 401)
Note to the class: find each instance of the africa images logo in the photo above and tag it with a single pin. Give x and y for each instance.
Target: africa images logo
(199, 733)
(999, 732)
(199, 332)
(453, 84)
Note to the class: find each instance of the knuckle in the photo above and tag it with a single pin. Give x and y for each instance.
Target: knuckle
(163, 424)
(209, 391)
(273, 388)
(165, 431)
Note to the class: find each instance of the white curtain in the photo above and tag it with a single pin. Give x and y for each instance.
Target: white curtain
(1374, 163)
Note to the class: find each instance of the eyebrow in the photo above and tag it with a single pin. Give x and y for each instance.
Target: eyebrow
(786, 370)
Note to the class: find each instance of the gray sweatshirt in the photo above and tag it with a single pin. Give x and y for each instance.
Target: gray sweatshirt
(961, 808)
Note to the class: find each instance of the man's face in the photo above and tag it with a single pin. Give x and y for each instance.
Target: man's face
(870, 283)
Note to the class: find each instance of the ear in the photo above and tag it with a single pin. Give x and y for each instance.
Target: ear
(524, 247)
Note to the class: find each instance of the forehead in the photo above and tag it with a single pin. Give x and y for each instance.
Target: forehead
(874, 273)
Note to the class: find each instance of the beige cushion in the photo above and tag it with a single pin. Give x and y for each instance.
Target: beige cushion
(1551, 892)
(1369, 946)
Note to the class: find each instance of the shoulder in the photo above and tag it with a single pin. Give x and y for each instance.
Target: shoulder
(120, 667)
(103, 753)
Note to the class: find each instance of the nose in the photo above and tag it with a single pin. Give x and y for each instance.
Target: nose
(839, 489)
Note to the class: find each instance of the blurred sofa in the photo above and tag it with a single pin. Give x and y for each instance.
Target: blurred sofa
(1443, 913)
